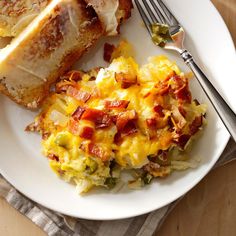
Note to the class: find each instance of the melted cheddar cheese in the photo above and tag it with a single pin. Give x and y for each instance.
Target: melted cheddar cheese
(120, 117)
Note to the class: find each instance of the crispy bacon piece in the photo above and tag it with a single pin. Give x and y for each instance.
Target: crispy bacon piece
(178, 120)
(125, 123)
(176, 82)
(195, 125)
(63, 85)
(100, 118)
(179, 87)
(33, 127)
(114, 118)
(183, 94)
(74, 75)
(163, 88)
(70, 79)
(182, 111)
(130, 128)
(53, 157)
(86, 132)
(39, 126)
(124, 117)
(78, 113)
(82, 96)
(159, 110)
(98, 152)
(151, 123)
(117, 104)
(45, 135)
(147, 95)
(154, 124)
(108, 50)
(181, 140)
(126, 80)
(73, 126)
(95, 151)
(118, 138)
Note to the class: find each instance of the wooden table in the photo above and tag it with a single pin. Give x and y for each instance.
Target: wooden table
(209, 209)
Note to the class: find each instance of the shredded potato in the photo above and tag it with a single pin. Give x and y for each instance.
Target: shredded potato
(99, 123)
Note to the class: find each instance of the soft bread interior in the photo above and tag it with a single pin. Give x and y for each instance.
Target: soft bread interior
(111, 13)
(106, 11)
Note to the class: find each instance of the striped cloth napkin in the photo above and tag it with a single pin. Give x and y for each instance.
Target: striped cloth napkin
(55, 224)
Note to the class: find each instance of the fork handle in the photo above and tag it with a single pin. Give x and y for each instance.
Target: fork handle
(225, 113)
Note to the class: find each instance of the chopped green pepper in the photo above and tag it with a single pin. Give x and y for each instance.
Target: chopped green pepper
(91, 166)
(160, 34)
(110, 182)
(147, 178)
(63, 140)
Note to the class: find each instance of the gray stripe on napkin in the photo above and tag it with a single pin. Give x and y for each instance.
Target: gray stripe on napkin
(48, 221)
(136, 225)
(55, 224)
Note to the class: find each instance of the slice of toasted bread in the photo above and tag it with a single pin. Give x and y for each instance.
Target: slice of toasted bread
(16, 15)
(46, 49)
(111, 13)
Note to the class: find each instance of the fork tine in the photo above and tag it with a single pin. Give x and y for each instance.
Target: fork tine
(144, 16)
(150, 12)
(167, 13)
(159, 13)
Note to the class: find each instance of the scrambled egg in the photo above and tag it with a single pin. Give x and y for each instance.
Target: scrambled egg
(122, 117)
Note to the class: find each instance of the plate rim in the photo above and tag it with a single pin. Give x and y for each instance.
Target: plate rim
(193, 184)
(190, 186)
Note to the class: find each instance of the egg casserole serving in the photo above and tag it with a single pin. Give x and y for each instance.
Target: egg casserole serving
(98, 123)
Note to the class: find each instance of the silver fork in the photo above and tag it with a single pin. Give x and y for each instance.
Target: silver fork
(155, 11)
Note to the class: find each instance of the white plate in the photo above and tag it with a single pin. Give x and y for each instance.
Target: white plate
(24, 167)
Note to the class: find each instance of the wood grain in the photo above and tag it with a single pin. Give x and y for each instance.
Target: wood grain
(209, 209)
(227, 8)
(12, 223)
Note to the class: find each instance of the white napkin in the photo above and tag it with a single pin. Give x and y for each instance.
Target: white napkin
(55, 224)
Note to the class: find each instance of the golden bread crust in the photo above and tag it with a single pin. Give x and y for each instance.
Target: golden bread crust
(46, 52)
(49, 46)
(15, 15)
